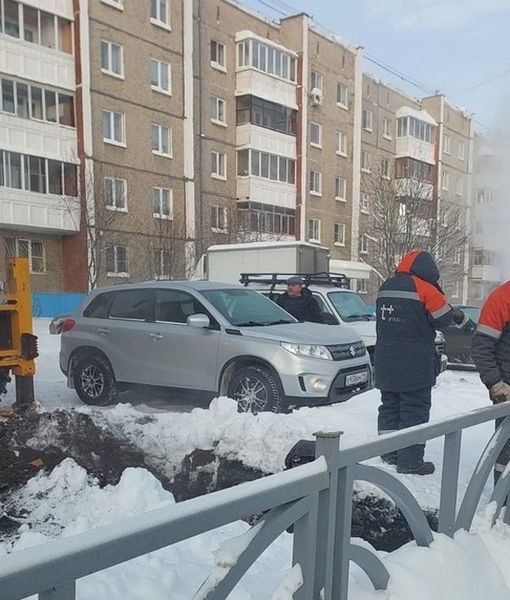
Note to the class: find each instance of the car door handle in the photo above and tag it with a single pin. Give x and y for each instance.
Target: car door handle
(103, 330)
(156, 336)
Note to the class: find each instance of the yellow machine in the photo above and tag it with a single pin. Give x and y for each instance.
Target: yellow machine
(18, 345)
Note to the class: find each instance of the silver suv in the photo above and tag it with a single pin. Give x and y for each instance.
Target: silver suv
(210, 337)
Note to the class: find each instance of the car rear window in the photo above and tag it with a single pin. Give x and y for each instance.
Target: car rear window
(98, 308)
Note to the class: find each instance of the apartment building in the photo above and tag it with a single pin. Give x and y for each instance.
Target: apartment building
(39, 204)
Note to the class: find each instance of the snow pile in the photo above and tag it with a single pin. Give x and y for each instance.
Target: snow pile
(470, 567)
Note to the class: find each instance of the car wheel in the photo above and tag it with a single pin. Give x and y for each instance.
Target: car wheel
(255, 389)
(94, 381)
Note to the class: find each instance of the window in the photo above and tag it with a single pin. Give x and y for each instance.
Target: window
(112, 59)
(485, 196)
(36, 174)
(385, 168)
(414, 169)
(115, 3)
(483, 257)
(415, 128)
(340, 189)
(445, 180)
(66, 110)
(132, 304)
(22, 100)
(386, 129)
(365, 161)
(342, 95)
(117, 263)
(362, 286)
(161, 140)
(48, 32)
(363, 244)
(174, 306)
(457, 256)
(11, 18)
(341, 143)
(98, 308)
(218, 55)
(218, 218)
(162, 261)
(251, 109)
(364, 203)
(115, 193)
(160, 76)
(266, 58)
(31, 249)
(461, 151)
(8, 103)
(217, 108)
(456, 289)
(315, 134)
(218, 165)
(446, 144)
(113, 128)
(55, 178)
(162, 203)
(339, 236)
(50, 102)
(314, 230)
(459, 186)
(315, 81)
(316, 183)
(366, 119)
(269, 166)
(160, 14)
(70, 180)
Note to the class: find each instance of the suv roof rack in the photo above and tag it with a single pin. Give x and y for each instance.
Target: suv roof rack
(331, 279)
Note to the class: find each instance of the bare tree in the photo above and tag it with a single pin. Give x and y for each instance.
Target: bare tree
(404, 216)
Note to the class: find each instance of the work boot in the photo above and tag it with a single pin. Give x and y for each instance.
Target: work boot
(426, 468)
(390, 458)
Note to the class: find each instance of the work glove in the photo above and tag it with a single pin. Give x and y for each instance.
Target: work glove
(500, 392)
(460, 318)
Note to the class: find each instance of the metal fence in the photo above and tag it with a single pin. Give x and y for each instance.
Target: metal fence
(316, 498)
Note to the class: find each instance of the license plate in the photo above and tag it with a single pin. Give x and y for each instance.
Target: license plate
(356, 378)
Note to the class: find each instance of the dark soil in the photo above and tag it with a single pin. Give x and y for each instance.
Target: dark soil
(31, 442)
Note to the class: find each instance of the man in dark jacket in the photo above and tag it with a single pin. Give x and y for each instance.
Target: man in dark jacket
(410, 307)
(299, 302)
(491, 353)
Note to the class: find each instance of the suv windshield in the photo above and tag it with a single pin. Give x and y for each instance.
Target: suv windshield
(350, 307)
(247, 308)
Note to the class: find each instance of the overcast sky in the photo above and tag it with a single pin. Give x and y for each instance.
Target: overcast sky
(446, 45)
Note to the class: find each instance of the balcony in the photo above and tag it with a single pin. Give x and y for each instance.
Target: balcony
(263, 85)
(266, 140)
(37, 137)
(266, 191)
(43, 213)
(486, 272)
(413, 148)
(36, 63)
(408, 187)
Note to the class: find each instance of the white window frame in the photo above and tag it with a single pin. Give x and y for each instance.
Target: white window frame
(114, 206)
(459, 186)
(108, 70)
(386, 129)
(316, 77)
(345, 92)
(319, 129)
(158, 88)
(362, 286)
(159, 151)
(216, 209)
(117, 273)
(446, 144)
(118, 4)
(445, 180)
(456, 289)
(159, 214)
(343, 186)
(366, 168)
(29, 243)
(364, 203)
(341, 143)
(385, 161)
(214, 63)
(316, 178)
(461, 151)
(217, 101)
(369, 119)
(220, 157)
(339, 227)
(363, 245)
(157, 20)
(317, 229)
(113, 141)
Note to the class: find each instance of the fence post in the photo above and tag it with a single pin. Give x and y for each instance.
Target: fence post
(327, 445)
(449, 482)
(304, 550)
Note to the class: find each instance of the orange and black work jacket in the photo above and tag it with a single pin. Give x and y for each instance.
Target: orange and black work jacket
(410, 307)
(491, 342)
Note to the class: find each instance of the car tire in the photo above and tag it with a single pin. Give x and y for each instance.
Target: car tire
(94, 380)
(255, 389)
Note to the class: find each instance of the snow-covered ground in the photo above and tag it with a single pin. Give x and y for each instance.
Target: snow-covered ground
(68, 501)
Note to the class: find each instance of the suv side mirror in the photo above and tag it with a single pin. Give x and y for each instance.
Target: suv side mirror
(200, 321)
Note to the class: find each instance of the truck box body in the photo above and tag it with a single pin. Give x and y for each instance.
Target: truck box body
(226, 262)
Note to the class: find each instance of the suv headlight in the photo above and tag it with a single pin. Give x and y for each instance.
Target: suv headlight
(308, 350)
